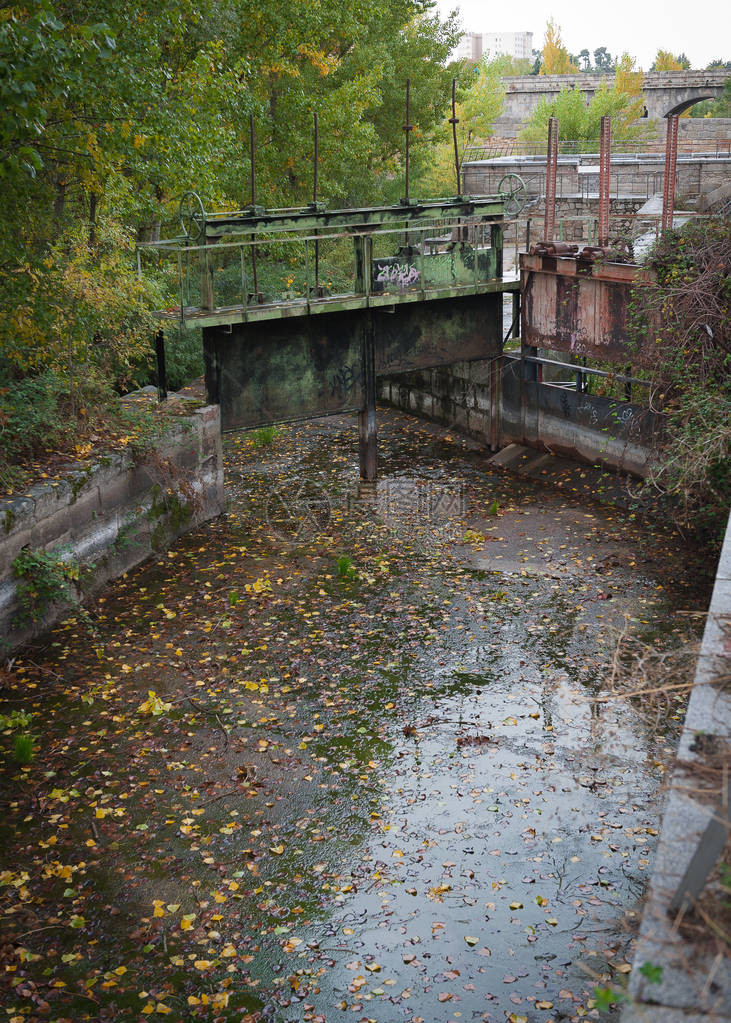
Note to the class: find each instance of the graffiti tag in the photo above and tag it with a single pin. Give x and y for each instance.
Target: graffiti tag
(401, 274)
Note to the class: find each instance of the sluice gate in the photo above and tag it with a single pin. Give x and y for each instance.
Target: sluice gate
(301, 309)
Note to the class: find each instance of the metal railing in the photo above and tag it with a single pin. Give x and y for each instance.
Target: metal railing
(496, 148)
(304, 271)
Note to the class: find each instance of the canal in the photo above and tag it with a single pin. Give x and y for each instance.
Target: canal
(347, 754)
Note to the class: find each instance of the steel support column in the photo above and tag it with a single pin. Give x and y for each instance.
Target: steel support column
(367, 424)
(671, 160)
(551, 164)
(605, 140)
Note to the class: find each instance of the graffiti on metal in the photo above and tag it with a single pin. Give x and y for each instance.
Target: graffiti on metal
(403, 275)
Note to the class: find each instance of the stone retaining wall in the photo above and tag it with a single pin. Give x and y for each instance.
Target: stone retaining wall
(638, 175)
(107, 516)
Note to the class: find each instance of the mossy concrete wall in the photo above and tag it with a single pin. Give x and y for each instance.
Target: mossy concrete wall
(110, 514)
(489, 401)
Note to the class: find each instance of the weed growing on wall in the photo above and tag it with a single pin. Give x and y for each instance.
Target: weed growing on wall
(679, 317)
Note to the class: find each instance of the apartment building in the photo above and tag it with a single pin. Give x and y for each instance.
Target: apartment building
(473, 45)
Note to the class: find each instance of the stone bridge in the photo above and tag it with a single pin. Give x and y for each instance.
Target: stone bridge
(665, 92)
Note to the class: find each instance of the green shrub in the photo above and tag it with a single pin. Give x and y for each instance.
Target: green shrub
(44, 579)
(345, 568)
(33, 415)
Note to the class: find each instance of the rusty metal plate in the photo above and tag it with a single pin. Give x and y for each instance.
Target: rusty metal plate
(264, 373)
(582, 311)
(302, 367)
(438, 333)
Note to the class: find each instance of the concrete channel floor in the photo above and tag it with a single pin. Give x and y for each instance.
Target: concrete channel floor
(348, 754)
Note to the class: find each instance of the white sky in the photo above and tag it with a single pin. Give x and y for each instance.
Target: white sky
(641, 27)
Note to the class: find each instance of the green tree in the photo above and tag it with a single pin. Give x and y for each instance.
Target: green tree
(577, 121)
(480, 101)
(603, 60)
(665, 61)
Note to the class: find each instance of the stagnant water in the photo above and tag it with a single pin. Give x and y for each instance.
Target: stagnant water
(385, 788)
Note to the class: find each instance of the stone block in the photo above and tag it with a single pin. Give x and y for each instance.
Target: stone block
(85, 509)
(48, 498)
(11, 547)
(52, 530)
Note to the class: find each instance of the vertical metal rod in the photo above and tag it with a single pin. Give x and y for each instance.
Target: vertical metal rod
(454, 121)
(180, 284)
(605, 142)
(671, 159)
(162, 380)
(317, 157)
(408, 127)
(551, 165)
(251, 159)
(314, 199)
(253, 204)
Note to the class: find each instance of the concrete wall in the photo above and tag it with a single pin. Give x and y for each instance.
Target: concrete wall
(695, 986)
(468, 398)
(110, 515)
(631, 175)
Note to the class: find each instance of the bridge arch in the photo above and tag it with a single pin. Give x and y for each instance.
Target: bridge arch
(681, 107)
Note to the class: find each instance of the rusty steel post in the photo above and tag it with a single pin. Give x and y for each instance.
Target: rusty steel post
(454, 121)
(605, 142)
(408, 128)
(671, 159)
(253, 204)
(549, 224)
(314, 200)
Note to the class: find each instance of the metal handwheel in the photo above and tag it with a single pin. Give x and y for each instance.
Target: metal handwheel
(514, 194)
(192, 215)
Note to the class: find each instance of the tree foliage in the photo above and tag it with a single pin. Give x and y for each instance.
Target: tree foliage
(666, 61)
(555, 58)
(480, 101)
(110, 112)
(580, 121)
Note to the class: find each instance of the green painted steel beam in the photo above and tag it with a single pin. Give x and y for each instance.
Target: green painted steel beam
(195, 317)
(307, 220)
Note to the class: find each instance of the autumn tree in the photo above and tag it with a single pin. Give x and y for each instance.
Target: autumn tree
(481, 97)
(628, 80)
(555, 57)
(109, 112)
(666, 61)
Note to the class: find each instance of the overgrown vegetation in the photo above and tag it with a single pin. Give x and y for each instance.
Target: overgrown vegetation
(679, 319)
(109, 113)
(45, 579)
(578, 121)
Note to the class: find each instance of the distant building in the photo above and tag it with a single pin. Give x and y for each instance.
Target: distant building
(473, 45)
(513, 44)
(469, 47)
